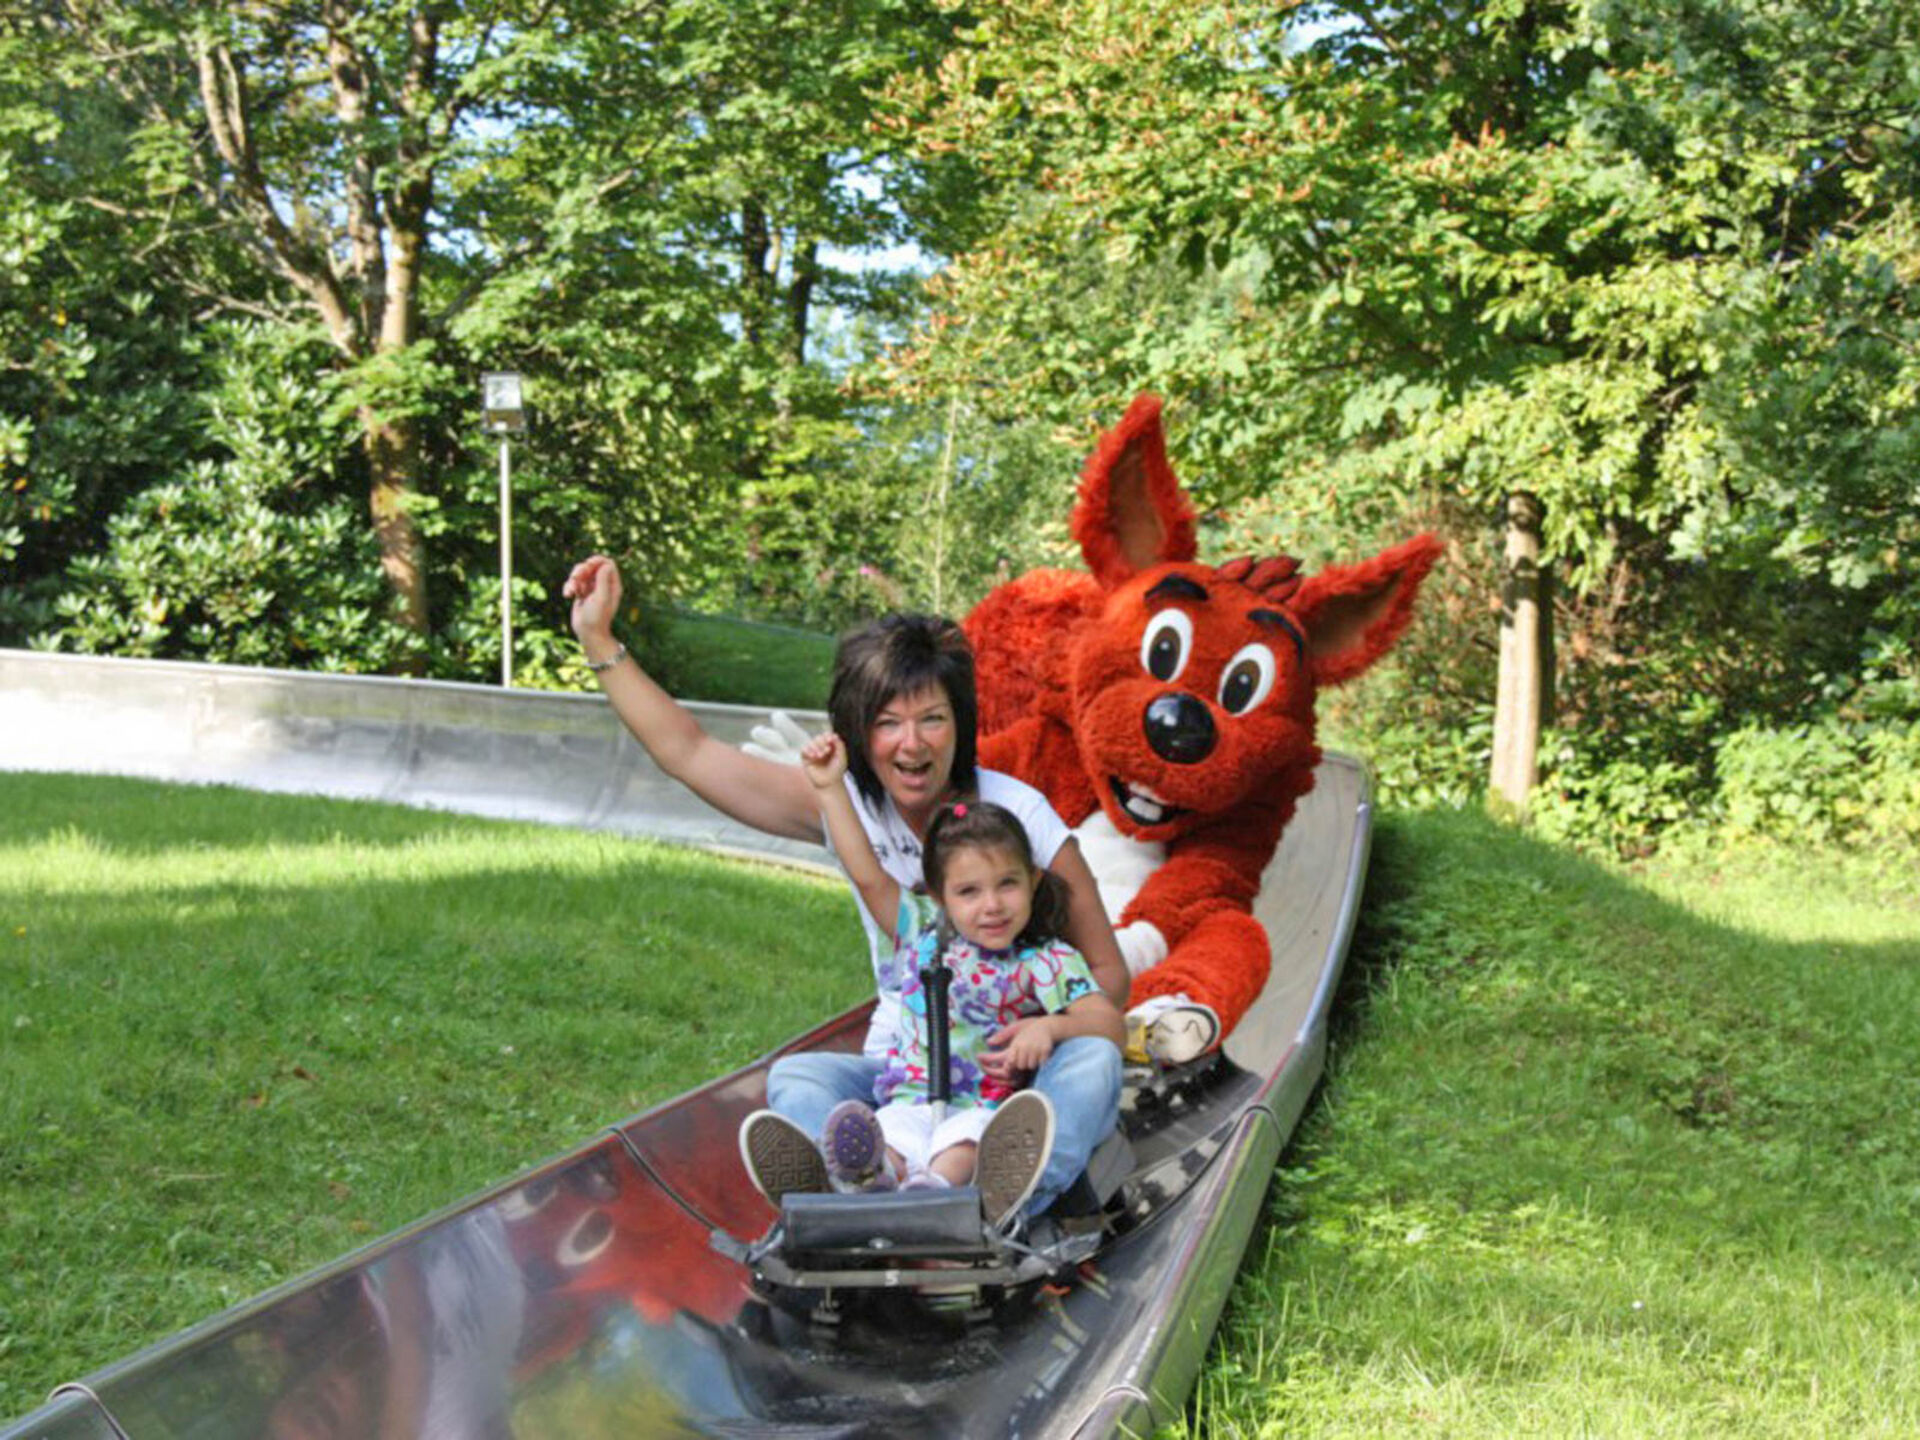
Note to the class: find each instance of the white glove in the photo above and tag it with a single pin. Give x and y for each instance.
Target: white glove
(1142, 945)
(780, 741)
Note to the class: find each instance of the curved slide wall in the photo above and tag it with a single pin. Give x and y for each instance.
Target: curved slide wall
(511, 754)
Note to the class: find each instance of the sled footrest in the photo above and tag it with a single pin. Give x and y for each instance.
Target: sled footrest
(882, 1223)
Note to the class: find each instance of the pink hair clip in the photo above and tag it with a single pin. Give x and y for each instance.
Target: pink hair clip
(959, 811)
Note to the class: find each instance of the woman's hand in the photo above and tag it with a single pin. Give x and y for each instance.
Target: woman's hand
(594, 588)
(824, 758)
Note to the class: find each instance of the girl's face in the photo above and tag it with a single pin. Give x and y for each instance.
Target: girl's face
(911, 746)
(988, 895)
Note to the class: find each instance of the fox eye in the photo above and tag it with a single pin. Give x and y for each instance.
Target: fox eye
(1166, 645)
(1247, 680)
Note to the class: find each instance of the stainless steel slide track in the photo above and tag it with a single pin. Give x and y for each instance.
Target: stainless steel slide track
(582, 1299)
(511, 754)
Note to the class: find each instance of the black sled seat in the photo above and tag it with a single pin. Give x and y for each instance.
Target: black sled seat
(901, 1240)
(918, 1224)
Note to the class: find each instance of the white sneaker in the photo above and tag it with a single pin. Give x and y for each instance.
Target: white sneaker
(1014, 1150)
(1170, 1030)
(779, 1158)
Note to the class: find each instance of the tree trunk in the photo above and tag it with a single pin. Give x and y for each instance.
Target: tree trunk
(392, 449)
(1524, 676)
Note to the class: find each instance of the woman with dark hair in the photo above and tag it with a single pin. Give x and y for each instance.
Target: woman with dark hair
(903, 703)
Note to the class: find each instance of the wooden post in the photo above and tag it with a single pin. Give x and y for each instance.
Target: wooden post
(1522, 688)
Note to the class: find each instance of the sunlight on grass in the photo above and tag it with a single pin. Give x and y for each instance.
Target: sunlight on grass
(74, 861)
(245, 1034)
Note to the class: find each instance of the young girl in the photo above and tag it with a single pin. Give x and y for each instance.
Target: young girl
(1015, 991)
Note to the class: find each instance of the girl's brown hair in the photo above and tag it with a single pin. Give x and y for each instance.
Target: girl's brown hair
(973, 824)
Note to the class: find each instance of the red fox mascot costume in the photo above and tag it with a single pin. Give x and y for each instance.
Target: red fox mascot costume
(1166, 708)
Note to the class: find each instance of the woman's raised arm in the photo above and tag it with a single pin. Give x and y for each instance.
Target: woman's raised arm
(769, 797)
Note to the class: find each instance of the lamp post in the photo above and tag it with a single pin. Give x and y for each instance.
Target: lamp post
(504, 413)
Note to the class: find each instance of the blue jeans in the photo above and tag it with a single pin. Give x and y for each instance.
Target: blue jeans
(1081, 1077)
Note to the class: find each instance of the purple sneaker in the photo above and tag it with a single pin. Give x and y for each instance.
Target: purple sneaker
(855, 1147)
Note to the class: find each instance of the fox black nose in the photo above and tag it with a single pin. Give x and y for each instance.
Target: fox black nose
(1180, 729)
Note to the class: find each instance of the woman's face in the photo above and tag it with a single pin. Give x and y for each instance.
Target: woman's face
(911, 745)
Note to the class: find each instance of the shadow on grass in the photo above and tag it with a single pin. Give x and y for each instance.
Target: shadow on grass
(1577, 1030)
(1577, 1140)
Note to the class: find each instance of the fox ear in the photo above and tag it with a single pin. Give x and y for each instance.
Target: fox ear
(1131, 514)
(1354, 613)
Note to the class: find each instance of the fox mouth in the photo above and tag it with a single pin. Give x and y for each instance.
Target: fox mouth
(1141, 805)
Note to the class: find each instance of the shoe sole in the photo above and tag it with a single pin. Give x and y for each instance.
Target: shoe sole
(780, 1159)
(854, 1144)
(1014, 1151)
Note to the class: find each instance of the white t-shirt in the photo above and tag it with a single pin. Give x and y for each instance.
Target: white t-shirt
(898, 850)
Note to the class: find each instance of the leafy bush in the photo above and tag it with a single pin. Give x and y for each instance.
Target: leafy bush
(1834, 784)
(1830, 783)
(1891, 785)
(1622, 804)
(259, 557)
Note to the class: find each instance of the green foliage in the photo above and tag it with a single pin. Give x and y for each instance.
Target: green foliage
(1655, 266)
(1828, 784)
(1619, 804)
(98, 361)
(259, 557)
(903, 506)
(644, 211)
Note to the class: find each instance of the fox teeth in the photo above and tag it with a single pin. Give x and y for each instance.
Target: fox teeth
(1141, 805)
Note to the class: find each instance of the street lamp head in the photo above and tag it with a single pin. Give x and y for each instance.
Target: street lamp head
(502, 409)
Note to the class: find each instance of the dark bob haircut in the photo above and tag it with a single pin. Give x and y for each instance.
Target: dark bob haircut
(900, 655)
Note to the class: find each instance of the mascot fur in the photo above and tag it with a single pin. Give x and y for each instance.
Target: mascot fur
(1166, 708)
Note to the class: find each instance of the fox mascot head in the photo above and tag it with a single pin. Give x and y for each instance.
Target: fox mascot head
(1166, 708)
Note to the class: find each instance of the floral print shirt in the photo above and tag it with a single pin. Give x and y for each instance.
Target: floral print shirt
(988, 989)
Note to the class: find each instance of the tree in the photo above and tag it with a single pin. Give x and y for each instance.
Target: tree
(1400, 257)
(633, 199)
(94, 364)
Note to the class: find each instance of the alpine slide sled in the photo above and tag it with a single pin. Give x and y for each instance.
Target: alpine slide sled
(638, 1285)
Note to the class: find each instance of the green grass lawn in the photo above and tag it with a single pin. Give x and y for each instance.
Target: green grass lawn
(742, 662)
(244, 1034)
(1599, 1155)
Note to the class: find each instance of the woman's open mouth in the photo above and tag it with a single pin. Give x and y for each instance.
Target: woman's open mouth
(915, 773)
